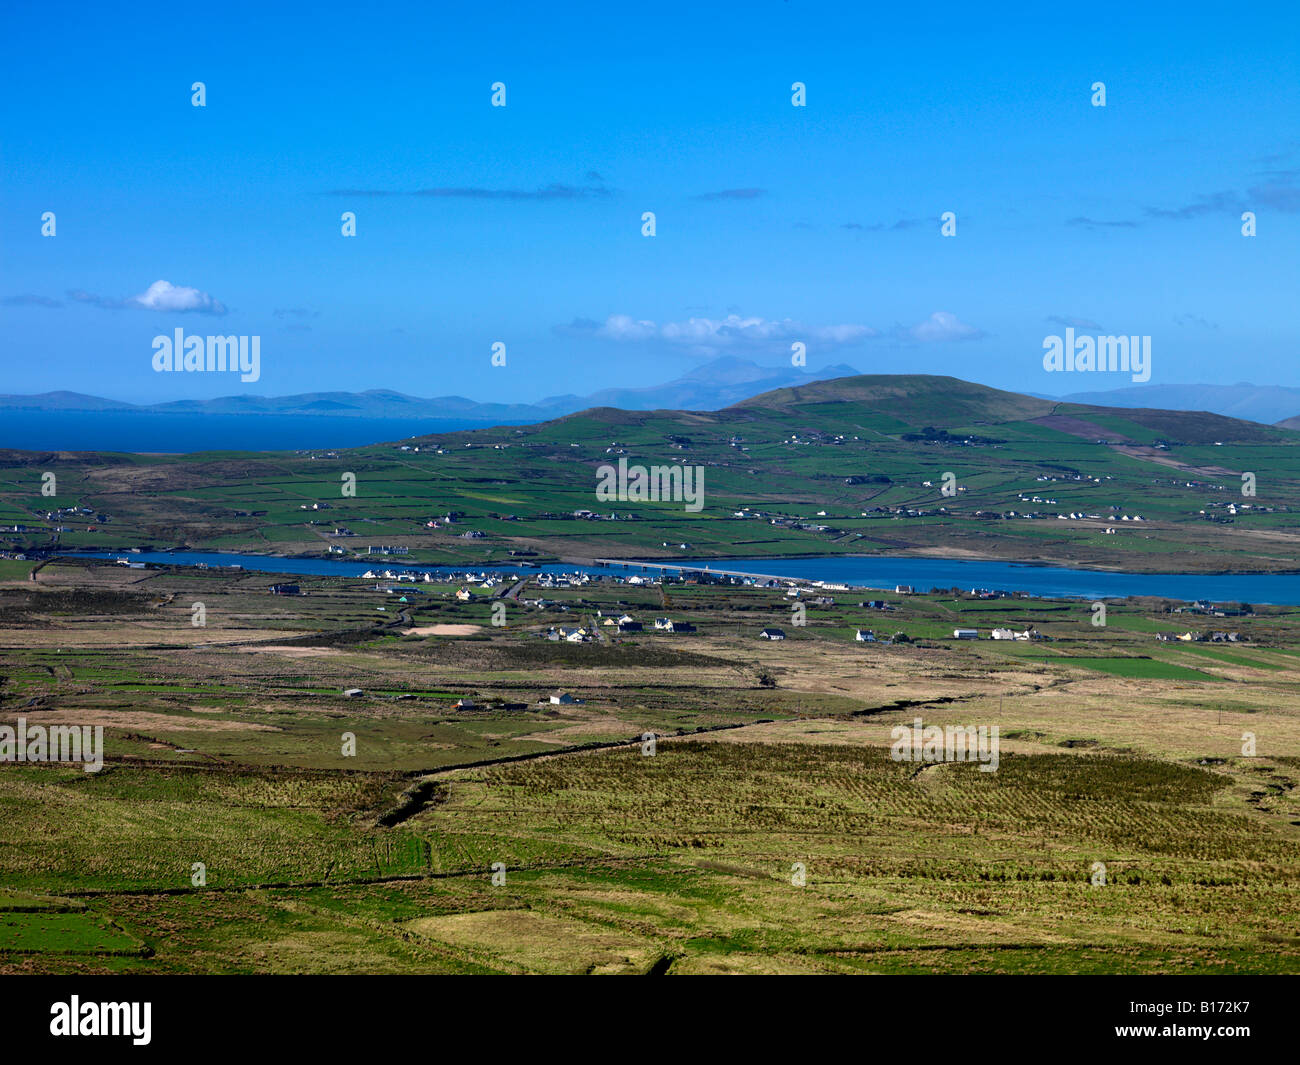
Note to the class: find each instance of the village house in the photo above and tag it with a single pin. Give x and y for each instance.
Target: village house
(772, 634)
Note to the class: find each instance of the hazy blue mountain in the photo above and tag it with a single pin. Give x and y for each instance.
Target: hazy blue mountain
(1256, 403)
(712, 386)
(52, 401)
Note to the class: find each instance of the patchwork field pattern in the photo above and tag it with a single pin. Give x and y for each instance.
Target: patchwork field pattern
(769, 831)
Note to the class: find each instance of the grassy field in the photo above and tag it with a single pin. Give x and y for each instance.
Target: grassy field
(769, 830)
(854, 466)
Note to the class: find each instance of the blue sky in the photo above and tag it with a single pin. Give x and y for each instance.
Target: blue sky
(522, 224)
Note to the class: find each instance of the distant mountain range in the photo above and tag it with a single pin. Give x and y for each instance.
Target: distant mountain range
(712, 386)
(1270, 404)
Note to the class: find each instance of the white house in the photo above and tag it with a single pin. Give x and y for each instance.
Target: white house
(865, 636)
(771, 634)
(1003, 634)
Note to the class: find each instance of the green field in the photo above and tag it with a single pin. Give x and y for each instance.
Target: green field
(770, 830)
(833, 468)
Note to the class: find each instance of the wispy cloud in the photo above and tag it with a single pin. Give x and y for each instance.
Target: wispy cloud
(545, 193)
(1071, 322)
(710, 336)
(1215, 203)
(750, 335)
(78, 295)
(1096, 223)
(295, 312)
(941, 327)
(733, 194)
(29, 300)
(877, 227)
(1195, 319)
(1281, 192)
(1280, 196)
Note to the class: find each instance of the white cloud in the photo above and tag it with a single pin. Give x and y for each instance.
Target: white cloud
(735, 333)
(943, 326)
(624, 327)
(164, 296)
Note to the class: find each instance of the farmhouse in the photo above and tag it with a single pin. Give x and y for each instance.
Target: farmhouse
(865, 636)
(772, 634)
(282, 589)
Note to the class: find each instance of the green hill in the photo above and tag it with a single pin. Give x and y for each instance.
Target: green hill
(920, 399)
(855, 465)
